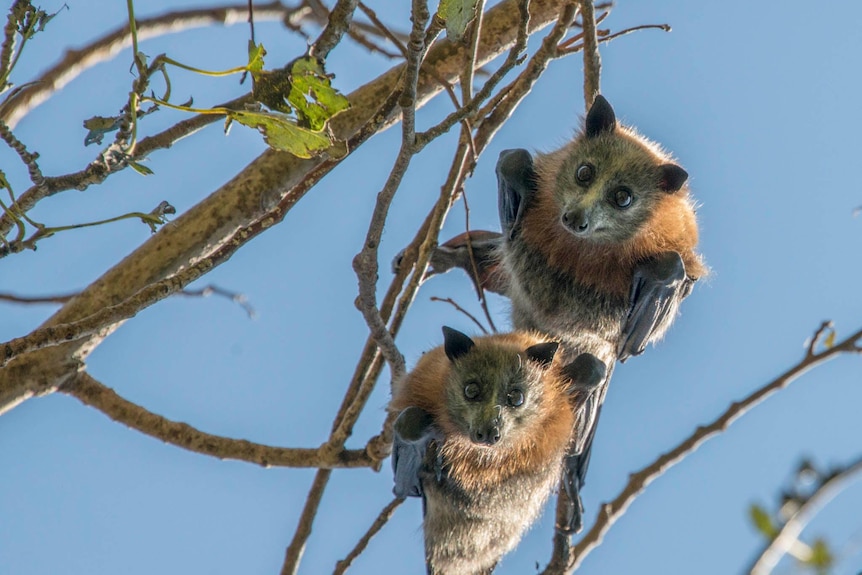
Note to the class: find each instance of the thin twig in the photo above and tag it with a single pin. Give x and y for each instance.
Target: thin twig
(788, 534)
(237, 298)
(343, 565)
(12, 298)
(454, 304)
(567, 48)
(480, 289)
(610, 512)
(93, 393)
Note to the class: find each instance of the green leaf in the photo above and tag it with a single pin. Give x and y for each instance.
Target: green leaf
(312, 94)
(458, 14)
(256, 53)
(271, 88)
(821, 557)
(98, 126)
(282, 133)
(762, 521)
(829, 342)
(140, 168)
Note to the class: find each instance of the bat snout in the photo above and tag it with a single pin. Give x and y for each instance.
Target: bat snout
(576, 221)
(486, 434)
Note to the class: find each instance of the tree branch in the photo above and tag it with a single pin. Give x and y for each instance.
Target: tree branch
(93, 393)
(610, 512)
(340, 19)
(592, 59)
(365, 262)
(76, 61)
(342, 566)
(789, 533)
(253, 201)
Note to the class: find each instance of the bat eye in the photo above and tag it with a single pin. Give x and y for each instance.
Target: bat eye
(471, 391)
(623, 198)
(515, 398)
(584, 173)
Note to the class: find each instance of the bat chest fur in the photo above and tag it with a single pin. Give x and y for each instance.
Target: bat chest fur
(467, 532)
(551, 301)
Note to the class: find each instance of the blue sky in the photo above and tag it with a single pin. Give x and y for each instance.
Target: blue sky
(758, 101)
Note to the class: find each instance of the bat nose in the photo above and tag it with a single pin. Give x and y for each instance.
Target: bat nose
(577, 221)
(489, 435)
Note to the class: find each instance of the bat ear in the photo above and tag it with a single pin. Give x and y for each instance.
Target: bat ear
(672, 177)
(600, 118)
(543, 353)
(456, 343)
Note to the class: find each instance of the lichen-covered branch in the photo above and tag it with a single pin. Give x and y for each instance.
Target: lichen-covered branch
(93, 393)
(610, 512)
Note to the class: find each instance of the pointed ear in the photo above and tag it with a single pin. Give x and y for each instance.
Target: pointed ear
(672, 177)
(600, 118)
(456, 343)
(542, 353)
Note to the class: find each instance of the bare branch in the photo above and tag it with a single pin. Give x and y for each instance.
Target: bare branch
(815, 339)
(93, 393)
(610, 512)
(454, 304)
(365, 262)
(294, 552)
(12, 298)
(592, 59)
(480, 290)
(789, 533)
(27, 157)
(53, 335)
(378, 524)
(339, 21)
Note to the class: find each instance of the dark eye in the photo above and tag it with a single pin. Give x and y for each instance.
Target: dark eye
(623, 198)
(516, 398)
(584, 174)
(471, 391)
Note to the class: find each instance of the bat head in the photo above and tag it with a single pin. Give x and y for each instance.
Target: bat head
(610, 180)
(494, 392)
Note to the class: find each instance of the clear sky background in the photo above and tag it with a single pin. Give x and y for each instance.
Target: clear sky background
(760, 103)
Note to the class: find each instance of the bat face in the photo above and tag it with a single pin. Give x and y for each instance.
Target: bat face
(609, 181)
(492, 395)
(607, 187)
(493, 391)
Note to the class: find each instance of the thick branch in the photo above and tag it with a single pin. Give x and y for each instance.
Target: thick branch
(789, 533)
(610, 512)
(250, 203)
(90, 392)
(592, 59)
